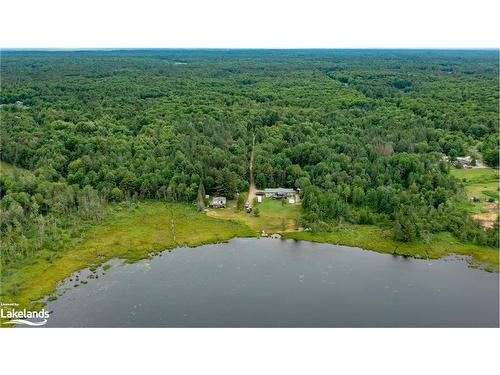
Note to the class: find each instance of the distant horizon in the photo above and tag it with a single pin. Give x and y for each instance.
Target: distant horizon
(248, 48)
(265, 51)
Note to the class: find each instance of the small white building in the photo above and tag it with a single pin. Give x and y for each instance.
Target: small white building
(218, 202)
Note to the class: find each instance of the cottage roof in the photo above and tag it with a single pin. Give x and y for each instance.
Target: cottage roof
(279, 190)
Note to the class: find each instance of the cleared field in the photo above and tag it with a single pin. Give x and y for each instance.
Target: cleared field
(480, 182)
(275, 216)
(476, 175)
(484, 184)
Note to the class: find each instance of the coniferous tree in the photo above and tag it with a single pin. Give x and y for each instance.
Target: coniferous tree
(200, 200)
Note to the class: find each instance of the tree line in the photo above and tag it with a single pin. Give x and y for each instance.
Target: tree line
(361, 133)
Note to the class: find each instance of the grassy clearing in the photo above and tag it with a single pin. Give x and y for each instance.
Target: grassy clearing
(375, 238)
(476, 175)
(9, 168)
(482, 183)
(130, 232)
(275, 216)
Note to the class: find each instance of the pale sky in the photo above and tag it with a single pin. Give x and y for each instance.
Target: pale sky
(250, 24)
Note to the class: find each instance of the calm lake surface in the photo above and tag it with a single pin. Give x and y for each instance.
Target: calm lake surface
(279, 283)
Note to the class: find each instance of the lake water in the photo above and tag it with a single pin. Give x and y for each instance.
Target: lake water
(279, 283)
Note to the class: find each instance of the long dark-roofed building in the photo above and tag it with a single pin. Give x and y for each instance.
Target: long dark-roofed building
(279, 193)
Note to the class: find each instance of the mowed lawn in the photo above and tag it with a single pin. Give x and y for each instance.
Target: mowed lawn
(484, 184)
(481, 182)
(276, 216)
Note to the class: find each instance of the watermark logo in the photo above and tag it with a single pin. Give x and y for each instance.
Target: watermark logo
(23, 317)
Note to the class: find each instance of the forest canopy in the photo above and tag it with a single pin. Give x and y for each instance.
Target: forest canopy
(361, 133)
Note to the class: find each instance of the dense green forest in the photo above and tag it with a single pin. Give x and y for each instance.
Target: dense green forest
(361, 133)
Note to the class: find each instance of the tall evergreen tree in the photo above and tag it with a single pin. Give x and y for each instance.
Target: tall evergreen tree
(200, 200)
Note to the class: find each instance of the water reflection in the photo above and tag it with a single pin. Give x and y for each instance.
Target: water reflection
(276, 283)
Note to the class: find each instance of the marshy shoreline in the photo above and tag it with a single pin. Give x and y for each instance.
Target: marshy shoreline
(140, 230)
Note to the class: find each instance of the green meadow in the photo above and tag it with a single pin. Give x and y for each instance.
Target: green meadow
(274, 216)
(480, 182)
